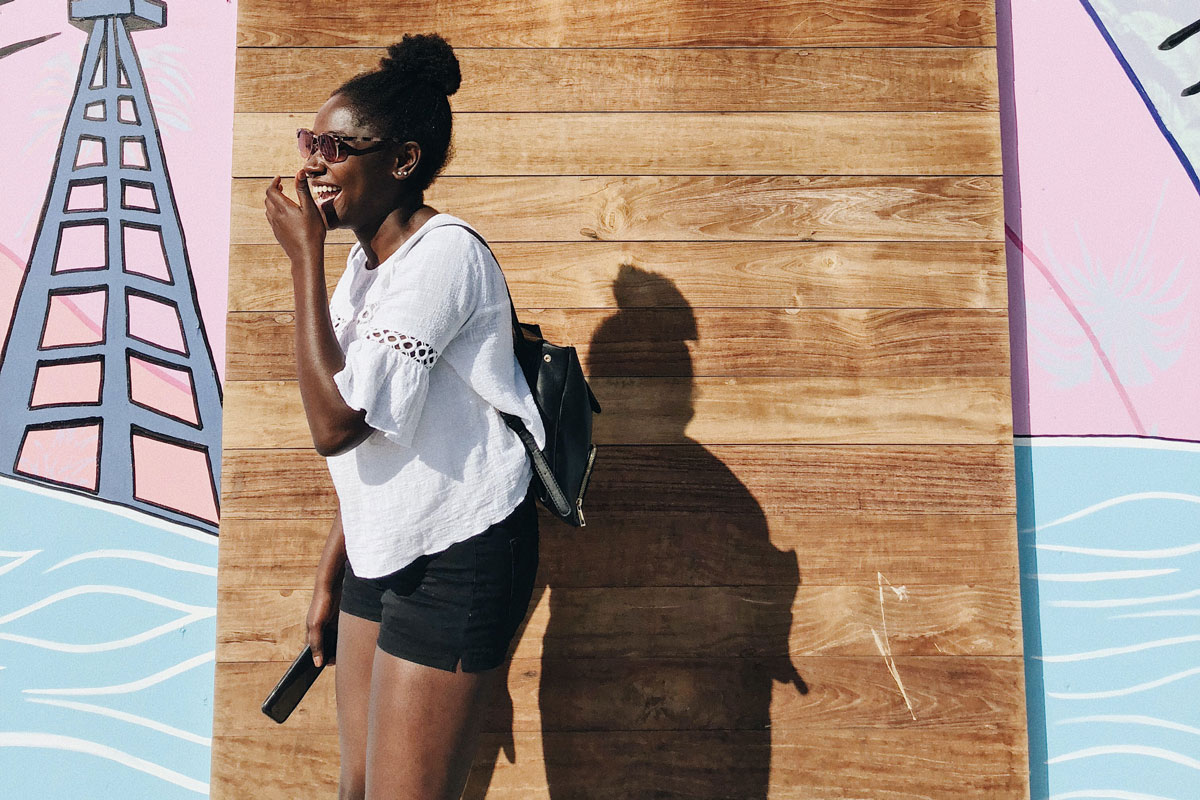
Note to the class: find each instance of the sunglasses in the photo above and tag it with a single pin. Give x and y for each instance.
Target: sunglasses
(332, 147)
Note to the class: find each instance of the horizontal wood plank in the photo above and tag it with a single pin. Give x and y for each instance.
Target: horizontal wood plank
(695, 208)
(651, 479)
(667, 23)
(694, 622)
(679, 274)
(924, 410)
(951, 693)
(658, 79)
(703, 548)
(849, 764)
(782, 143)
(687, 343)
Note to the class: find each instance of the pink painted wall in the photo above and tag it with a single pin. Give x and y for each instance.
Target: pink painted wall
(189, 72)
(1102, 232)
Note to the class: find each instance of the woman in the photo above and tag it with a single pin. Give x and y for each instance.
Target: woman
(431, 559)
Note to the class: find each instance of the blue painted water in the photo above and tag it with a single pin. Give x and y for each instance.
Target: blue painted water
(1110, 557)
(107, 629)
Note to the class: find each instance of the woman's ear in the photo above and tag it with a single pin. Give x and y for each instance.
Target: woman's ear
(407, 160)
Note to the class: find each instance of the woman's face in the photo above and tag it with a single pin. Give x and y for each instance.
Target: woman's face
(363, 189)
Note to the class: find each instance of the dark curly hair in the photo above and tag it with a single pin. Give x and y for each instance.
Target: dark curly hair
(408, 97)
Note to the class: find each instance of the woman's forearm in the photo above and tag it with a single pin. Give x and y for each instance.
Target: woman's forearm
(333, 557)
(334, 425)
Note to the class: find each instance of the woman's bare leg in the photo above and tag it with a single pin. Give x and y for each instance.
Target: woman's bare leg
(352, 674)
(423, 728)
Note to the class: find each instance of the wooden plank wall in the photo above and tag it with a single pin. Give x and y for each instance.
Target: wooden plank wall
(775, 231)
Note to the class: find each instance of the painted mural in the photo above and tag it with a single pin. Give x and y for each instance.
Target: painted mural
(113, 263)
(1102, 139)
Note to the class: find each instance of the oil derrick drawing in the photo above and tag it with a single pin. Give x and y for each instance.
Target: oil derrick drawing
(109, 379)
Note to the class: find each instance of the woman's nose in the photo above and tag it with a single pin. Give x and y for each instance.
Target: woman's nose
(313, 165)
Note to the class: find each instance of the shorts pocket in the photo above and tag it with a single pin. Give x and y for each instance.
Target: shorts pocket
(524, 549)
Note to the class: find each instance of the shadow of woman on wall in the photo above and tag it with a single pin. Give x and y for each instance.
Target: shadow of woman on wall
(669, 613)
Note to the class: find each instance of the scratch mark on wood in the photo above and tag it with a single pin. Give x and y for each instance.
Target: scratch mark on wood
(881, 642)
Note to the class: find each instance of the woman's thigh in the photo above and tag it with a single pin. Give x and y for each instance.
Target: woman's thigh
(352, 678)
(423, 728)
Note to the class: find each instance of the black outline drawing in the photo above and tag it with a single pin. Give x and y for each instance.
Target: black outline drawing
(110, 75)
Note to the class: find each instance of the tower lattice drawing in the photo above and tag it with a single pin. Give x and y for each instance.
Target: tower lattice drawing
(93, 340)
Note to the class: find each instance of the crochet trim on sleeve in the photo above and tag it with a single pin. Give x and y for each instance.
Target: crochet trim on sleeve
(414, 348)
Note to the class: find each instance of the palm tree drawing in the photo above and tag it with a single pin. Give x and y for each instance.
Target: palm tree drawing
(16, 47)
(1175, 39)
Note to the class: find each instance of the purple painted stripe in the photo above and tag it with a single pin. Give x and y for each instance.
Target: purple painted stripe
(1141, 90)
(1087, 329)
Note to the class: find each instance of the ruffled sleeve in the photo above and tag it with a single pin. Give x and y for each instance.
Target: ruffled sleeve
(390, 387)
(427, 298)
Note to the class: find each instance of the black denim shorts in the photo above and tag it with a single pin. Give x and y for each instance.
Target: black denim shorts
(462, 604)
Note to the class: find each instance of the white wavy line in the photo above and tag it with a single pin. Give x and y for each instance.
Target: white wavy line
(1054, 440)
(54, 741)
(1125, 601)
(120, 511)
(1141, 687)
(1165, 612)
(19, 557)
(1166, 552)
(132, 686)
(1106, 794)
(114, 644)
(1115, 501)
(103, 589)
(1128, 750)
(1118, 651)
(1092, 577)
(1134, 719)
(145, 722)
(140, 555)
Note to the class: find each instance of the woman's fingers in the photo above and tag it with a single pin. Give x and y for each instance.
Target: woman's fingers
(275, 193)
(318, 616)
(303, 192)
(316, 640)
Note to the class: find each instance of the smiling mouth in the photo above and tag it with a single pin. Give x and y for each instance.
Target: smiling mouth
(326, 193)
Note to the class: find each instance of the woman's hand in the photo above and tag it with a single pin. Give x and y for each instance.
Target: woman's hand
(327, 592)
(322, 621)
(299, 228)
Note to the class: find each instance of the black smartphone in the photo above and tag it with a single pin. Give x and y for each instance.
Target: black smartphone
(286, 695)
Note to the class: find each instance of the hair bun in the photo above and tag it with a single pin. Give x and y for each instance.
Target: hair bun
(424, 57)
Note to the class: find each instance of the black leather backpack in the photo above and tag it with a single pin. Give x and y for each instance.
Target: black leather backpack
(563, 468)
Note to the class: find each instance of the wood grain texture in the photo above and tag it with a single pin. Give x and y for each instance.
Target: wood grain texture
(696, 208)
(667, 23)
(950, 693)
(808, 343)
(848, 764)
(924, 410)
(651, 479)
(963, 275)
(694, 622)
(775, 232)
(658, 79)
(781, 143)
(704, 548)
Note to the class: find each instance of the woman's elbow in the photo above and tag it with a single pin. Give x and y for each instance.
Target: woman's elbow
(330, 441)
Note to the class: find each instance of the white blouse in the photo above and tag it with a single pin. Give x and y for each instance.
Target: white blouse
(428, 341)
